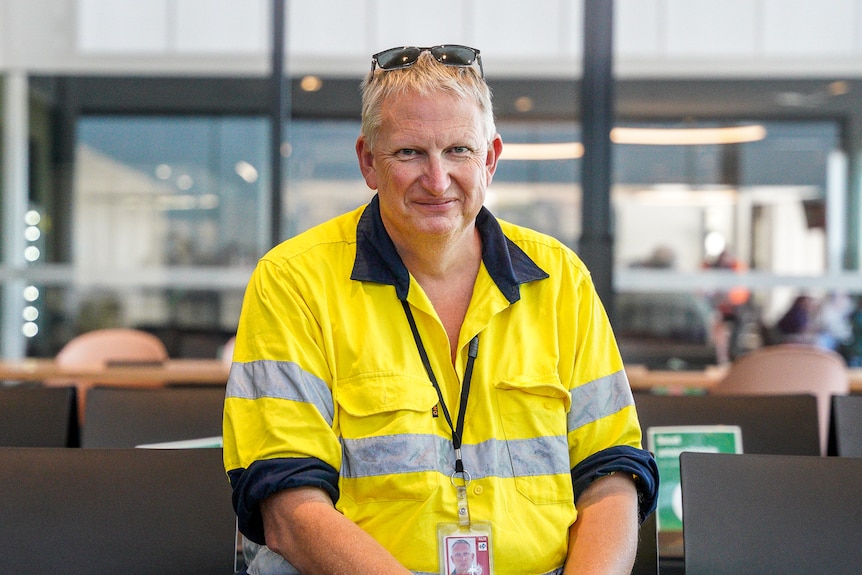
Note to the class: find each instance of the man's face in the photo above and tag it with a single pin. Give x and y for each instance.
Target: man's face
(462, 557)
(431, 165)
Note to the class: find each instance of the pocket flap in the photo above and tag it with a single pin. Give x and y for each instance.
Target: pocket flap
(542, 386)
(381, 393)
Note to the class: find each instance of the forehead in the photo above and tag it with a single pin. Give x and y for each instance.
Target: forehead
(415, 114)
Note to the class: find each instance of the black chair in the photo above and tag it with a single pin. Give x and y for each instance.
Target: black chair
(646, 562)
(772, 424)
(777, 424)
(131, 511)
(127, 417)
(36, 416)
(755, 514)
(845, 431)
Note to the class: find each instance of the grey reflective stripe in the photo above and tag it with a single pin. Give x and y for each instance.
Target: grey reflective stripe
(280, 380)
(392, 454)
(599, 398)
(389, 455)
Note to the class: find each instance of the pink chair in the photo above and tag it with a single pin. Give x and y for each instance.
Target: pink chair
(790, 369)
(226, 354)
(98, 348)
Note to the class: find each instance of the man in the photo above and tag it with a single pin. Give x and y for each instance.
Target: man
(462, 558)
(417, 367)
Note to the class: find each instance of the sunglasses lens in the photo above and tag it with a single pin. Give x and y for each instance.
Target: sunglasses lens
(454, 55)
(397, 57)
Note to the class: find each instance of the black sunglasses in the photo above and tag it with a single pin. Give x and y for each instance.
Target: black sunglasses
(447, 54)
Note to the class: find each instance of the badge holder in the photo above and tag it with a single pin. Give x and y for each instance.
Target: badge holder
(464, 546)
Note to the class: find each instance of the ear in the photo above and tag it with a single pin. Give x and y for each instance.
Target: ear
(366, 162)
(493, 156)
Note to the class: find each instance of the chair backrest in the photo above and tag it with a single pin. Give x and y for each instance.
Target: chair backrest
(772, 424)
(771, 514)
(790, 368)
(99, 348)
(102, 346)
(646, 561)
(36, 416)
(845, 431)
(126, 417)
(226, 353)
(132, 511)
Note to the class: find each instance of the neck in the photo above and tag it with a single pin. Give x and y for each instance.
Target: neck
(447, 274)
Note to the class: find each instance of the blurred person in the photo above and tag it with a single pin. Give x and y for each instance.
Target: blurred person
(797, 325)
(417, 365)
(834, 330)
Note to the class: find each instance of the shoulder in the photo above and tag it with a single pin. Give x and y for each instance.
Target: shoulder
(317, 243)
(546, 251)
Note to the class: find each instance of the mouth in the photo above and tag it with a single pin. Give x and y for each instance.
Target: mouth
(435, 203)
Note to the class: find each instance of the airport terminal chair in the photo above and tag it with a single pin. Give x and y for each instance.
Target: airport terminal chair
(127, 417)
(845, 432)
(789, 369)
(102, 347)
(754, 514)
(120, 511)
(772, 424)
(38, 416)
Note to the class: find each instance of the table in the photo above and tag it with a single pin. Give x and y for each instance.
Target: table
(181, 371)
(643, 379)
(213, 371)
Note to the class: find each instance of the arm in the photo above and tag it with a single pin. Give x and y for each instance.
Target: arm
(303, 526)
(603, 540)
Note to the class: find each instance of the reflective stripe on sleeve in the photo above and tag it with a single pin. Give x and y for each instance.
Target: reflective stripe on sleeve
(280, 380)
(598, 399)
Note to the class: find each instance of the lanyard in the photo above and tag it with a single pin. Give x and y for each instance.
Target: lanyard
(472, 352)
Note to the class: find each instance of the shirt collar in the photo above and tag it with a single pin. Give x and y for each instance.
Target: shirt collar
(377, 260)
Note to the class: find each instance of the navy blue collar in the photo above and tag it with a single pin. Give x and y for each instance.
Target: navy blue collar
(377, 260)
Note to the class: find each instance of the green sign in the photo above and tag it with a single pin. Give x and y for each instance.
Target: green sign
(667, 443)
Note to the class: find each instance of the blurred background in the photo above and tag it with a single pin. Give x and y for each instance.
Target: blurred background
(142, 177)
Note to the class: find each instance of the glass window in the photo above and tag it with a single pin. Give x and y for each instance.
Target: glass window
(169, 191)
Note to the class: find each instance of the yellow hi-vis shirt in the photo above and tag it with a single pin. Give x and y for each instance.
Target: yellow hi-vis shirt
(327, 388)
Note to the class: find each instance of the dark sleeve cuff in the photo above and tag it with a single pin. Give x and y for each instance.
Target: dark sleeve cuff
(268, 476)
(638, 463)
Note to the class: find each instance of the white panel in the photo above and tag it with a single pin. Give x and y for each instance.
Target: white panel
(810, 28)
(231, 26)
(5, 24)
(636, 27)
(128, 26)
(697, 27)
(328, 27)
(572, 13)
(400, 23)
(518, 29)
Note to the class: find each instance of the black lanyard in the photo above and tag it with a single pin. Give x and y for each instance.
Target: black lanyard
(472, 352)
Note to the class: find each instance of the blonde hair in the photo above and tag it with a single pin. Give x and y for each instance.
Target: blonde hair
(426, 76)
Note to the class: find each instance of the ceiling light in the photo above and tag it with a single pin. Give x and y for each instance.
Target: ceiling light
(559, 151)
(311, 83)
(246, 171)
(838, 88)
(688, 136)
(524, 104)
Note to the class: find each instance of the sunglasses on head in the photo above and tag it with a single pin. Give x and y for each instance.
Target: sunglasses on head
(446, 54)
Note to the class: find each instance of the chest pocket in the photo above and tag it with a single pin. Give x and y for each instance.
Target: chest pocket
(389, 449)
(533, 417)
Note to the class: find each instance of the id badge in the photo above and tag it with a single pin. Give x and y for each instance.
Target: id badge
(465, 549)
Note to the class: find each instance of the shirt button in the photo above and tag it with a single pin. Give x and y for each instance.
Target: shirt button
(478, 490)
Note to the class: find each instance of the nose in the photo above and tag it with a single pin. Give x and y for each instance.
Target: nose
(436, 177)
